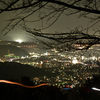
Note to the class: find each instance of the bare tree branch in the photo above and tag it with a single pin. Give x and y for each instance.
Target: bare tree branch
(49, 11)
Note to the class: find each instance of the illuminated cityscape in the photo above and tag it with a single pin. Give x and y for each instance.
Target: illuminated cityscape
(68, 68)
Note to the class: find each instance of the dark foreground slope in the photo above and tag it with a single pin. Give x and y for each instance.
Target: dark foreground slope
(14, 92)
(12, 70)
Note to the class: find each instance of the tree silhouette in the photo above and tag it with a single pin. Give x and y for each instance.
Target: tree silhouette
(49, 11)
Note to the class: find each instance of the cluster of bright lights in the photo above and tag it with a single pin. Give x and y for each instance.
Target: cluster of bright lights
(83, 57)
(74, 61)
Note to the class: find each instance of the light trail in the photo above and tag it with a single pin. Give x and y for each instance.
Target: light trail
(10, 82)
(66, 88)
(96, 89)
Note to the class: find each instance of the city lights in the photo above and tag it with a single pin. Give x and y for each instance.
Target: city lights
(74, 61)
(70, 68)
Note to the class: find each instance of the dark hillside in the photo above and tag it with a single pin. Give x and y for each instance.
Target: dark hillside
(12, 49)
(11, 70)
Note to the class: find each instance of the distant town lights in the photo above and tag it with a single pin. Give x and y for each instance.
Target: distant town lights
(22, 57)
(94, 58)
(83, 57)
(46, 53)
(41, 62)
(74, 61)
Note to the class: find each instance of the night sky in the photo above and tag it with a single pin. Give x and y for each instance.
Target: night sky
(61, 25)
